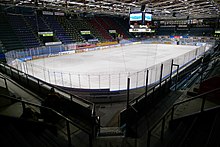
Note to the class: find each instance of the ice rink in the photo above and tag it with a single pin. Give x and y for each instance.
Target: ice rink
(109, 68)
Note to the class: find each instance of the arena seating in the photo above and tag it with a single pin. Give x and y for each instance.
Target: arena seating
(86, 25)
(58, 30)
(201, 31)
(113, 26)
(8, 38)
(166, 31)
(37, 24)
(81, 25)
(23, 31)
(70, 29)
(103, 23)
(193, 31)
(99, 28)
(123, 25)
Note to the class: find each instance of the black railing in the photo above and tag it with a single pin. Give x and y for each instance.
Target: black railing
(5, 82)
(159, 84)
(40, 88)
(68, 121)
(41, 84)
(203, 96)
(171, 110)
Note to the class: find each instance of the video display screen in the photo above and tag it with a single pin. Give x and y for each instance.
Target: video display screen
(136, 17)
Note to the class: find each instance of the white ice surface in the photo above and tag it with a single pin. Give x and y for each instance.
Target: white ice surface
(107, 68)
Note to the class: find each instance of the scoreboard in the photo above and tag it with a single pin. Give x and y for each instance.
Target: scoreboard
(140, 21)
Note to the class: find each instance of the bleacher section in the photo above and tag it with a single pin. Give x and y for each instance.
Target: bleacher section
(96, 25)
(57, 29)
(123, 25)
(2, 56)
(81, 25)
(23, 31)
(84, 25)
(8, 38)
(65, 30)
(70, 29)
(37, 25)
(166, 31)
(25, 28)
(202, 31)
(193, 31)
(111, 25)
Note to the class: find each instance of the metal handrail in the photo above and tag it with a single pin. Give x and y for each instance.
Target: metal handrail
(195, 97)
(48, 108)
(64, 91)
(6, 86)
(68, 121)
(150, 89)
(181, 102)
(171, 109)
(162, 118)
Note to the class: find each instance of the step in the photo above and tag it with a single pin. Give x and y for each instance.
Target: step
(15, 136)
(110, 131)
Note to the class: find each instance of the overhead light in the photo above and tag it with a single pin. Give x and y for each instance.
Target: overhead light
(166, 11)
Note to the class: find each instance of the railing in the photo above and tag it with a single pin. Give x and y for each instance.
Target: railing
(171, 110)
(5, 82)
(41, 83)
(156, 92)
(203, 96)
(68, 121)
(40, 87)
(170, 113)
(150, 90)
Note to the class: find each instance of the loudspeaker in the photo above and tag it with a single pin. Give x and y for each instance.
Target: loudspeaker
(142, 7)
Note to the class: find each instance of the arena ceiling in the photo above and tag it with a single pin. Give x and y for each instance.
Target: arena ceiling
(161, 9)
